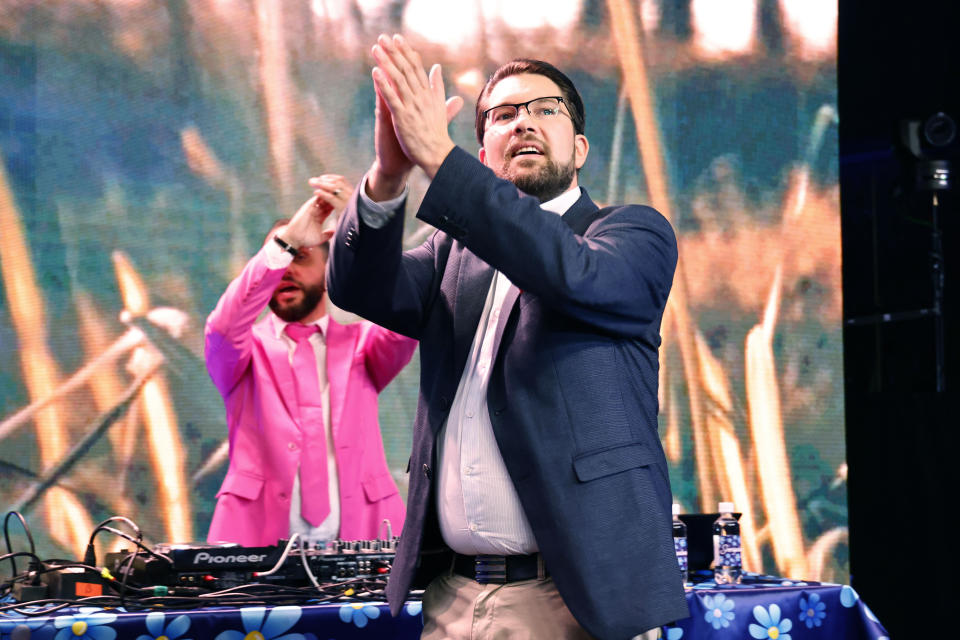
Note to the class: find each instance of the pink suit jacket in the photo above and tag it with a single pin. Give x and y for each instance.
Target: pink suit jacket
(250, 366)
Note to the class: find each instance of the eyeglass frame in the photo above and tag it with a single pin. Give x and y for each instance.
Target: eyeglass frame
(525, 105)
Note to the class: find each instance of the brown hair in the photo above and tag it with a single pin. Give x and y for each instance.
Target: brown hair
(518, 66)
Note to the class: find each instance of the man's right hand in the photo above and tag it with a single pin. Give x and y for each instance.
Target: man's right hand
(389, 172)
(426, 109)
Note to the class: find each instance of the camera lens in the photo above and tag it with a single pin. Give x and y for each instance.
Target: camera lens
(940, 129)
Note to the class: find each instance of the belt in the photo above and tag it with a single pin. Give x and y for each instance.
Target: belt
(499, 569)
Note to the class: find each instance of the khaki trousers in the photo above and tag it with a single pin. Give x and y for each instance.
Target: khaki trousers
(458, 608)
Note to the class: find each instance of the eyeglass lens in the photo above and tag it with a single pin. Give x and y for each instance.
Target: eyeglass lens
(538, 108)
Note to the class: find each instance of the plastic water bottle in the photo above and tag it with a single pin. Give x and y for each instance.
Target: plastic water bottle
(680, 541)
(727, 563)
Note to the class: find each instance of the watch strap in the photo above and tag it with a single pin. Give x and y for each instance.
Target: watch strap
(289, 248)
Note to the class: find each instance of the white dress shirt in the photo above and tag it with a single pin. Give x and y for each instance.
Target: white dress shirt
(477, 504)
(329, 529)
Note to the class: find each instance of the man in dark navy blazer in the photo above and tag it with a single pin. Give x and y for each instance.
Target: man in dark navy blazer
(539, 502)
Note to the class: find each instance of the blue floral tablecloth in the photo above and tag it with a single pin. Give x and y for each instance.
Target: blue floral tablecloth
(308, 622)
(771, 608)
(762, 608)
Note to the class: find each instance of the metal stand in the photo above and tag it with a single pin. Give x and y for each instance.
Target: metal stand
(936, 272)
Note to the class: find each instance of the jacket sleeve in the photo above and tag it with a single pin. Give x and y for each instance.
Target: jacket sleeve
(228, 337)
(370, 275)
(385, 354)
(615, 277)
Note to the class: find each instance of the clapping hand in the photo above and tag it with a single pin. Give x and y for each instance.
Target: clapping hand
(413, 112)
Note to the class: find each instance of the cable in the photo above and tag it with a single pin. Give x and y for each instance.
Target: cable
(36, 562)
(90, 556)
(125, 536)
(6, 536)
(131, 558)
(13, 555)
(306, 567)
(283, 557)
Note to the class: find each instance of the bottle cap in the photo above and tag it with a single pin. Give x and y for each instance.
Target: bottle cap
(725, 507)
(676, 508)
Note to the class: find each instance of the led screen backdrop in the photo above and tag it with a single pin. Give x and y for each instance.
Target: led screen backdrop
(147, 145)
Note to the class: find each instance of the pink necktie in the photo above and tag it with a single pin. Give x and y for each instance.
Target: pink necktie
(314, 490)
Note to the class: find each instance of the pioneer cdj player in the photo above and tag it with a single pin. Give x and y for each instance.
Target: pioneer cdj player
(213, 567)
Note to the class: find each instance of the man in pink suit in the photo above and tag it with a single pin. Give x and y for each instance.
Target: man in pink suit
(306, 455)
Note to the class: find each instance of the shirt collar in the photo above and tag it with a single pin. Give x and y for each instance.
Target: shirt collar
(279, 325)
(562, 202)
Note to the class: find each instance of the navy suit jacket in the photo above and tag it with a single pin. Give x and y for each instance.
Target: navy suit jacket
(573, 390)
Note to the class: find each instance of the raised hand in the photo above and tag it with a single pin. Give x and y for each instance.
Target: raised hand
(305, 229)
(418, 107)
(332, 191)
(392, 166)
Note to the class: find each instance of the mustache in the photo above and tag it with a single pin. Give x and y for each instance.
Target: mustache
(527, 141)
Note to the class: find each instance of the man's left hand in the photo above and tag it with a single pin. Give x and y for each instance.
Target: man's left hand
(333, 192)
(416, 101)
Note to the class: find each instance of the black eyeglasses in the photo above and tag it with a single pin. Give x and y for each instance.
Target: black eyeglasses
(538, 108)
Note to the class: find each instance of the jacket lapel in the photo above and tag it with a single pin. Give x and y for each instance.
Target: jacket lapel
(583, 212)
(578, 217)
(513, 293)
(278, 358)
(473, 282)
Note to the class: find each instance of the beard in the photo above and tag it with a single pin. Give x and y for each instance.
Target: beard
(296, 311)
(545, 184)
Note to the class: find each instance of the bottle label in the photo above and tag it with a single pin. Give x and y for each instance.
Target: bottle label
(726, 551)
(680, 546)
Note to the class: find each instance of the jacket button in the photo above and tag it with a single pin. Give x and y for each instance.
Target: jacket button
(292, 446)
(426, 471)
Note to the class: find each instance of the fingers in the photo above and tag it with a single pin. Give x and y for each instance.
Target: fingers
(306, 210)
(409, 62)
(436, 81)
(313, 211)
(305, 229)
(454, 105)
(419, 111)
(386, 92)
(402, 65)
(321, 210)
(382, 110)
(333, 201)
(394, 77)
(331, 182)
(333, 191)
